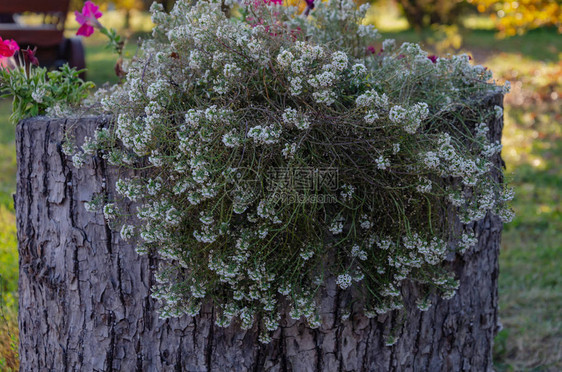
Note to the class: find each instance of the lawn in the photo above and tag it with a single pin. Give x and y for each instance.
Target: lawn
(530, 284)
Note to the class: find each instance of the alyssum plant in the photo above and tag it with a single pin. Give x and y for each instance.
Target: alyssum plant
(238, 125)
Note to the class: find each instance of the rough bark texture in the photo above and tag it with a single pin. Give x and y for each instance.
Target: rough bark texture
(85, 300)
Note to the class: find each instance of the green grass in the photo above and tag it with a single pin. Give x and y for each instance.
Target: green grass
(8, 243)
(543, 45)
(100, 61)
(530, 282)
(7, 155)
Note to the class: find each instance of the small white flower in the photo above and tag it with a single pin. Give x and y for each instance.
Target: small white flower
(467, 241)
(424, 185)
(325, 96)
(296, 86)
(344, 281)
(339, 61)
(110, 211)
(231, 71)
(347, 192)
(356, 251)
(38, 94)
(371, 117)
(90, 206)
(388, 45)
(365, 222)
(358, 70)
(382, 162)
(127, 232)
(289, 150)
(79, 159)
(231, 139)
(285, 58)
(506, 87)
(397, 114)
(367, 30)
(336, 227)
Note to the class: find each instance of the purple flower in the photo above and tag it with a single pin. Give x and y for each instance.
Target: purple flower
(29, 56)
(88, 19)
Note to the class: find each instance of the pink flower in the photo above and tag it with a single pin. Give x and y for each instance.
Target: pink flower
(8, 48)
(88, 19)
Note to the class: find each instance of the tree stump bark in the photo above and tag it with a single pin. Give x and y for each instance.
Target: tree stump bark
(85, 300)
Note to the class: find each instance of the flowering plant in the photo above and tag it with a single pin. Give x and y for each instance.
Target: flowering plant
(37, 91)
(8, 48)
(88, 19)
(34, 90)
(215, 112)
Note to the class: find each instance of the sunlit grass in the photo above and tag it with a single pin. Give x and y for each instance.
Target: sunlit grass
(385, 15)
(541, 46)
(478, 22)
(8, 289)
(530, 282)
(100, 61)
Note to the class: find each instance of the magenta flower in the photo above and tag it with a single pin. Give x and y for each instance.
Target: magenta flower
(88, 19)
(29, 56)
(8, 48)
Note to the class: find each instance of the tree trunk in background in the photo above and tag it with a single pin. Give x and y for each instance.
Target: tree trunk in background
(85, 300)
(421, 14)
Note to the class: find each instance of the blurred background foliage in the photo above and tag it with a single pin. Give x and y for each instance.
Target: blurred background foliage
(521, 42)
(516, 17)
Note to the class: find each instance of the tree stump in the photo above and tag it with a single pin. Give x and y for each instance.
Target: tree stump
(85, 301)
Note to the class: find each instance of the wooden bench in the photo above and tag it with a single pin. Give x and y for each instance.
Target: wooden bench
(53, 49)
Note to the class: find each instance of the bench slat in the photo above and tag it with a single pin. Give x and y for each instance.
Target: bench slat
(36, 6)
(40, 37)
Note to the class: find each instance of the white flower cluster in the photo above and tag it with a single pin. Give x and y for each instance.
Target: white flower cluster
(382, 162)
(323, 79)
(356, 251)
(424, 185)
(291, 117)
(410, 118)
(467, 241)
(221, 120)
(264, 135)
(347, 192)
(372, 99)
(344, 281)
